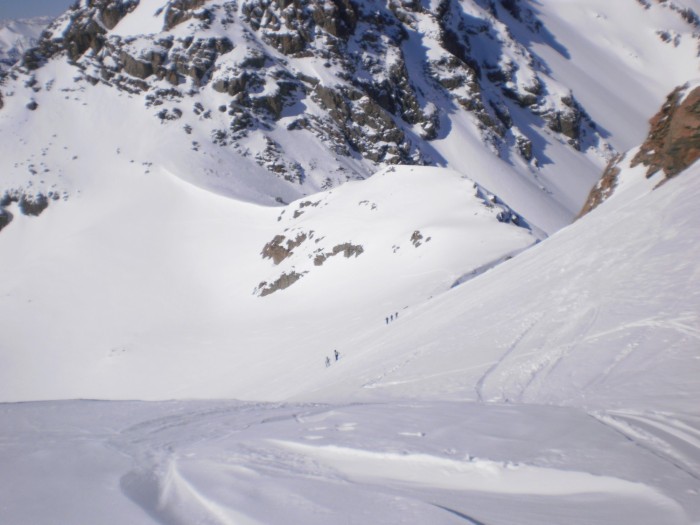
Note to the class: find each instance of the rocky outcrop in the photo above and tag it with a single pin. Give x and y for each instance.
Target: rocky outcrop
(604, 188)
(673, 143)
(278, 250)
(5, 218)
(417, 238)
(136, 68)
(179, 11)
(87, 26)
(377, 101)
(284, 281)
(566, 120)
(346, 249)
(31, 204)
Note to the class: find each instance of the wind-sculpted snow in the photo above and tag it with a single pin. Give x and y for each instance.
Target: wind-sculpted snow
(230, 463)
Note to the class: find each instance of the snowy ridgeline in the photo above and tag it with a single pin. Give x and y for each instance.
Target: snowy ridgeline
(268, 103)
(440, 463)
(16, 36)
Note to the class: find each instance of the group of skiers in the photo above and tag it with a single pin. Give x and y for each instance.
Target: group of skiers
(392, 317)
(328, 359)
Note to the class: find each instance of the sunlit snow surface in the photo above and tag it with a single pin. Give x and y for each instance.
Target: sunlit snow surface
(405, 462)
(138, 284)
(625, 450)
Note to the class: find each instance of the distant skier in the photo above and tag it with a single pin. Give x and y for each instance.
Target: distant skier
(392, 317)
(337, 355)
(328, 361)
(396, 315)
(386, 319)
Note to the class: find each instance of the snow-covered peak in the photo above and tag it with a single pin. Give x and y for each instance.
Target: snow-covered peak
(17, 36)
(302, 97)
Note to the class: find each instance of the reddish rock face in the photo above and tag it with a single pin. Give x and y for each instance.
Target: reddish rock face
(674, 139)
(672, 145)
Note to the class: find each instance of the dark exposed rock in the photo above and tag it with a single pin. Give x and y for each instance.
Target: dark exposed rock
(528, 97)
(673, 144)
(380, 107)
(566, 121)
(302, 205)
(284, 281)
(367, 127)
(33, 204)
(417, 238)
(524, 148)
(32, 106)
(513, 7)
(347, 249)
(337, 17)
(85, 31)
(5, 218)
(604, 188)
(136, 68)
(504, 214)
(29, 204)
(113, 12)
(179, 11)
(287, 43)
(277, 251)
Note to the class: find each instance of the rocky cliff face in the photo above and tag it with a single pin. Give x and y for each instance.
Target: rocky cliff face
(673, 144)
(674, 139)
(272, 100)
(375, 80)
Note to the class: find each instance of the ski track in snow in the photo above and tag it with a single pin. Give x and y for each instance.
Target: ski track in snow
(666, 436)
(479, 387)
(547, 366)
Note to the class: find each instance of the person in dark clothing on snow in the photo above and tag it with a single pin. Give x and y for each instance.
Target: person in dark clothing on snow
(337, 355)
(328, 361)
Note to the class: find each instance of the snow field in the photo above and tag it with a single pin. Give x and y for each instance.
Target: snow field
(140, 282)
(228, 462)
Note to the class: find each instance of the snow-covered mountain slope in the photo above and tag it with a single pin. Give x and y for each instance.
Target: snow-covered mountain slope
(161, 298)
(112, 266)
(618, 59)
(304, 97)
(490, 369)
(604, 314)
(147, 268)
(17, 36)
